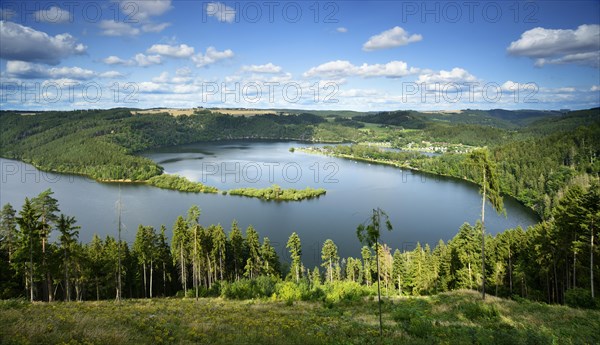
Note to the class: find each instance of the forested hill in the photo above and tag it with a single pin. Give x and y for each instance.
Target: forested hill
(539, 153)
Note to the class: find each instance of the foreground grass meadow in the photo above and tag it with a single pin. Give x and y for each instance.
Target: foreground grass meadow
(451, 318)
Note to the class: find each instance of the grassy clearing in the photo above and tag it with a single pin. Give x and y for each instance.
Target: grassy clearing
(452, 318)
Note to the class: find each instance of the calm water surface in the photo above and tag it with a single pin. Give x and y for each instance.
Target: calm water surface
(422, 208)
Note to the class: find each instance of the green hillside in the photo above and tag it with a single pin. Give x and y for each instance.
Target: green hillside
(451, 318)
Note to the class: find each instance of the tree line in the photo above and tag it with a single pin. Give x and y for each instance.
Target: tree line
(553, 261)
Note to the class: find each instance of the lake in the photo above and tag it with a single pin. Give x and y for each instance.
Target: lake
(422, 208)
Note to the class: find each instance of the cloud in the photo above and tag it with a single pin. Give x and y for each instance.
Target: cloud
(26, 70)
(138, 14)
(142, 10)
(26, 44)
(456, 75)
(595, 88)
(220, 11)
(111, 75)
(343, 68)
(152, 27)
(115, 60)
(267, 68)
(591, 59)
(211, 56)
(559, 46)
(394, 37)
(143, 60)
(113, 28)
(180, 51)
(164, 78)
(183, 72)
(341, 29)
(52, 15)
(140, 59)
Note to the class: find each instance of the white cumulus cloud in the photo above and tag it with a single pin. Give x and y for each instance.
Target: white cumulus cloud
(559, 46)
(211, 56)
(174, 51)
(114, 28)
(456, 75)
(23, 43)
(343, 68)
(27, 70)
(394, 37)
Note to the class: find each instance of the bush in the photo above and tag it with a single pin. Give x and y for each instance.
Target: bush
(579, 298)
(479, 310)
(260, 287)
(288, 291)
(344, 290)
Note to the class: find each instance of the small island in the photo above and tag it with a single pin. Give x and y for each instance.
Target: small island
(276, 193)
(180, 183)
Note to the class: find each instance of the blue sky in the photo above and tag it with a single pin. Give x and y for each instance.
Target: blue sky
(375, 55)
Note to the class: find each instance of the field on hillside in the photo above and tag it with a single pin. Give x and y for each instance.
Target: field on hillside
(243, 112)
(170, 111)
(452, 318)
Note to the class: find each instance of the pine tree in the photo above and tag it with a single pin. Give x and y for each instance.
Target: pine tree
(330, 257)
(8, 230)
(68, 237)
(237, 247)
(179, 249)
(490, 190)
(219, 240)
(295, 247)
(30, 246)
(253, 244)
(370, 235)
(269, 259)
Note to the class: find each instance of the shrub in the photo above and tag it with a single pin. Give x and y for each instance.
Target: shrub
(579, 298)
(260, 287)
(479, 310)
(344, 290)
(288, 291)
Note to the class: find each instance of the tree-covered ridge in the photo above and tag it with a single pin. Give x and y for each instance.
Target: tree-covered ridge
(101, 143)
(538, 158)
(537, 171)
(554, 261)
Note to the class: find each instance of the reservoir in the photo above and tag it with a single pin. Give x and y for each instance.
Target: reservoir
(422, 208)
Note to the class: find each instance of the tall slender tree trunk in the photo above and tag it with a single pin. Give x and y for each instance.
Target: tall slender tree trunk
(196, 274)
(145, 283)
(470, 276)
(31, 268)
(67, 289)
(164, 279)
(97, 290)
(555, 281)
(510, 270)
(379, 289)
(221, 264)
(151, 271)
(183, 275)
(209, 273)
(592, 261)
(483, 237)
(399, 286)
(574, 265)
